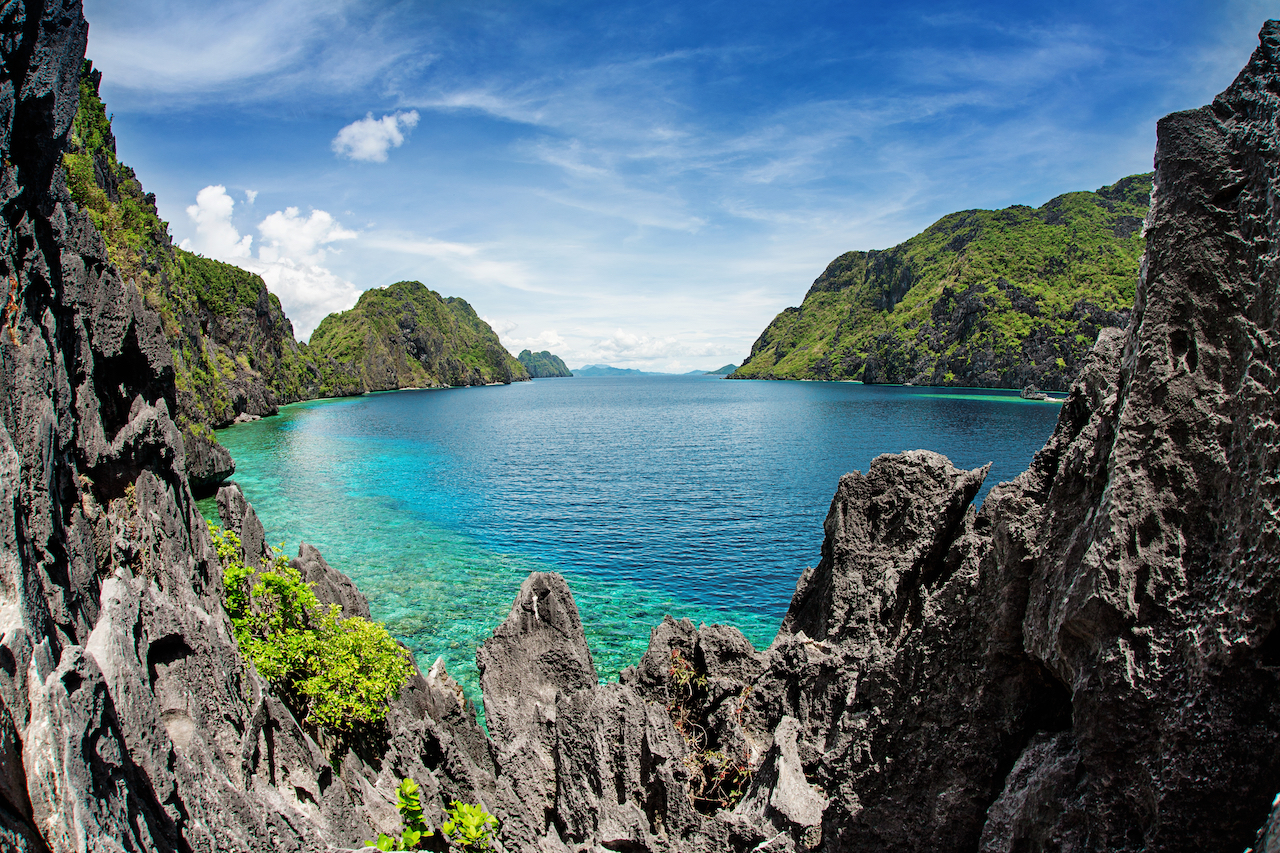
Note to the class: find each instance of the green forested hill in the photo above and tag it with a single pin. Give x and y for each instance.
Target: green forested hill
(233, 347)
(406, 335)
(544, 365)
(988, 298)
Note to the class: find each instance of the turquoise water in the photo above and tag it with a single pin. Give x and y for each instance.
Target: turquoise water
(693, 496)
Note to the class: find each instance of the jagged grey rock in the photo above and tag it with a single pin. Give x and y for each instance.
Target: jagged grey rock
(536, 656)
(238, 517)
(1091, 665)
(331, 586)
(209, 464)
(128, 719)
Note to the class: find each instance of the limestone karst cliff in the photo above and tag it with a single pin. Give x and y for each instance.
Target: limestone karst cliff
(1087, 663)
(543, 365)
(128, 719)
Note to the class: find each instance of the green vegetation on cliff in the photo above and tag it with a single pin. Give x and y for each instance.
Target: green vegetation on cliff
(1002, 298)
(543, 365)
(331, 671)
(406, 335)
(233, 346)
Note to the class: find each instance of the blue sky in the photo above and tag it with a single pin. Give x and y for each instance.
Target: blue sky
(644, 184)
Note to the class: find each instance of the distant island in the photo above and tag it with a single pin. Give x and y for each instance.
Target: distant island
(981, 298)
(609, 370)
(543, 365)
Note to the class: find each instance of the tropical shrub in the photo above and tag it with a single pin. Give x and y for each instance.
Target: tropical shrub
(339, 672)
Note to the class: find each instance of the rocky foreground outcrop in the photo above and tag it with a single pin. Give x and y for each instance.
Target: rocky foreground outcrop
(128, 719)
(1091, 662)
(1088, 663)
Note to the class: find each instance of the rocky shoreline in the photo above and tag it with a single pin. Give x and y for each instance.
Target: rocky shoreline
(1090, 662)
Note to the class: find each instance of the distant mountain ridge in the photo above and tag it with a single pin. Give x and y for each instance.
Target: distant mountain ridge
(543, 365)
(609, 370)
(981, 298)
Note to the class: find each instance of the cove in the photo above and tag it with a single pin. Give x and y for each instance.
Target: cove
(693, 496)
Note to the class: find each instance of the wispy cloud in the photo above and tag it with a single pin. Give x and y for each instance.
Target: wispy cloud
(472, 262)
(247, 50)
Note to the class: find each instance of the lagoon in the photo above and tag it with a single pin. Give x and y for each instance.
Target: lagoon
(693, 496)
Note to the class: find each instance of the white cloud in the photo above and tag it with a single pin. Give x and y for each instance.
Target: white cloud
(215, 235)
(632, 349)
(290, 256)
(308, 292)
(369, 138)
(547, 340)
(287, 235)
(250, 196)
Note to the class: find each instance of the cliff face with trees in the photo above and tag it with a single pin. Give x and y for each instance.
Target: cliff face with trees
(233, 347)
(1090, 662)
(981, 298)
(544, 365)
(407, 335)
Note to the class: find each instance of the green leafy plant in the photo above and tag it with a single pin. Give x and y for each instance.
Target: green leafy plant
(340, 672)
(469, 826)
(415, 829)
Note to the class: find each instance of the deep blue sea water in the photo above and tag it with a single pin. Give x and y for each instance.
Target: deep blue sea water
(693, 496)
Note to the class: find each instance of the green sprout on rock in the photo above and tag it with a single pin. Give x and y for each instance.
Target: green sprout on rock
(415, 829)
(469, 826)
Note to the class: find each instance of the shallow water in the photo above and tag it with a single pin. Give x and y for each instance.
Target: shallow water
(693, 496)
